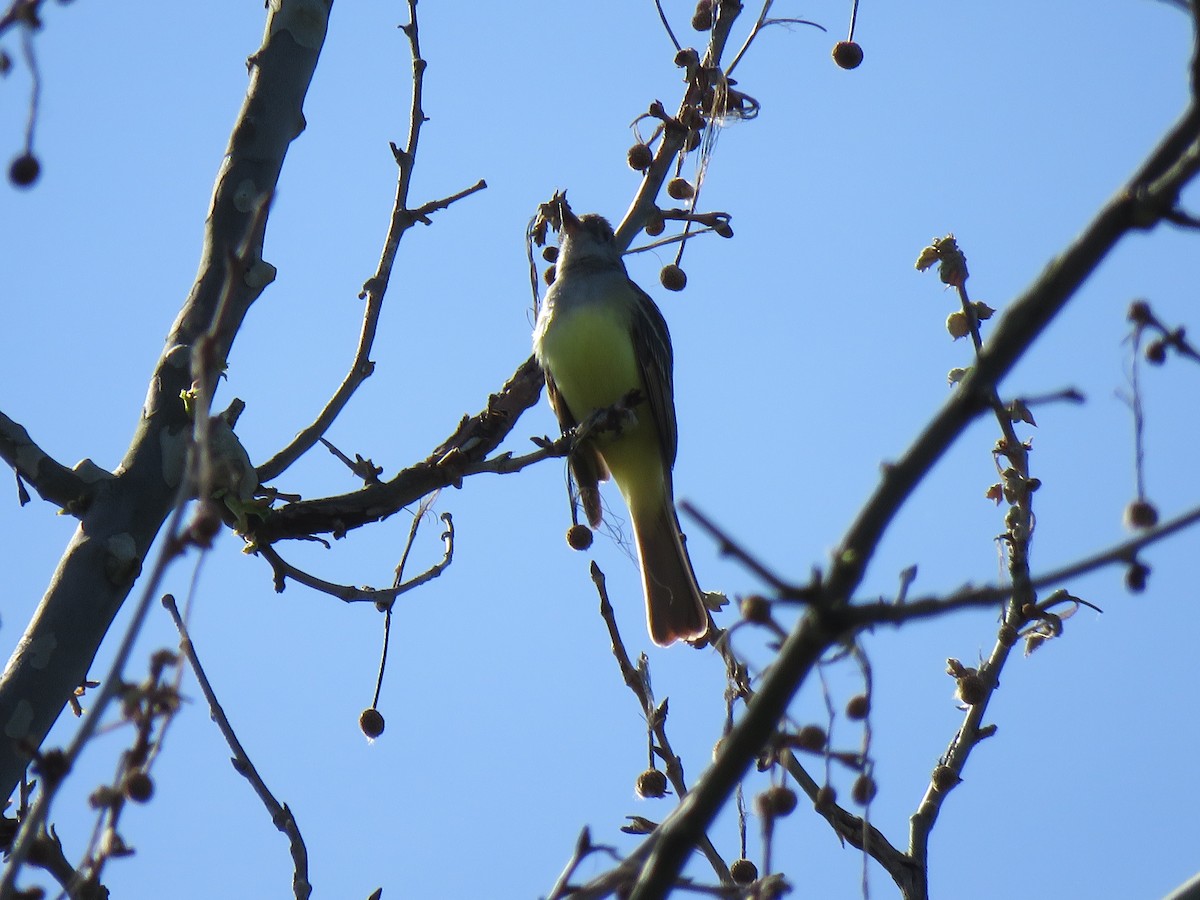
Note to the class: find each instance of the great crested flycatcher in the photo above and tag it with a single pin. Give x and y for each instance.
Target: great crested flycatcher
(599, 338)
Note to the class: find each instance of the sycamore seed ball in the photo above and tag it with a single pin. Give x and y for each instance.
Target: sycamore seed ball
(743, 871)
(371, 722)
(651, 783)
(639, 157)
(858, 706)
(24, 170)
(673, 277)
(864, 790)
(847, 54)
(756, 608)
(138, 786)
(1141, 514)
(944, 778)
(1135, 577)
(782, 800)
(1139, 312)
(579, 537)
(811, 737)
(680, 189)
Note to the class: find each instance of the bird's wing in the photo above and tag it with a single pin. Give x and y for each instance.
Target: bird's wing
(587, 467)
(652, 344)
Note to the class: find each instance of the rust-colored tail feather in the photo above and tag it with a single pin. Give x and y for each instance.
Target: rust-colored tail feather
(674, 608)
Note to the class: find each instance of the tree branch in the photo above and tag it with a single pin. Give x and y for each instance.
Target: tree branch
(69, 489)
(402, 219)
(469, 445)
(281, 814)
(1169, 166)
(350, 594)
(106, 552)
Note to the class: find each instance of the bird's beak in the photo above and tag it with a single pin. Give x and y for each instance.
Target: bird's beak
(570, 221)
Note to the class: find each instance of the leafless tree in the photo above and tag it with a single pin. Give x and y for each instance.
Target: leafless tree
(185, 477)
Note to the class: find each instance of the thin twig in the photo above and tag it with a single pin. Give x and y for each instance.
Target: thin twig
(109, 687)
(1138, 205)
(729, 547)
(418, 516)
(472, 440)
(638, 681)
(281, 815)
(35, 89)
(667, 26)
(402, 218)
(351, 594)
(967, 598)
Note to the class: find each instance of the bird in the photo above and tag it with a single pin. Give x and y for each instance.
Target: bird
(603, 345)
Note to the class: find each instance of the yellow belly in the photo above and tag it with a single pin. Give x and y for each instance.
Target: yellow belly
(589, 352)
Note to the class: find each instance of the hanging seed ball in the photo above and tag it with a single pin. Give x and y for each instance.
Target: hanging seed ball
(550, 254)
(680, 189)
(138, 786)
(857, 707)
(579, 537)
(549, 275)
(780, 800)
(371, 722)
(1139, 313)
(723, 229)
(1135, 577)
(811, 737)
(639, 157)
(702, 20)
(24, 170)
(864, 790)
(1141, 514)
(847, 54)
(673, 277)
(743, 871)
(655, 224)
(651, 783)
(756, 608)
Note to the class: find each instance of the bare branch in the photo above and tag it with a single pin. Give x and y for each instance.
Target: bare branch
(361, 368)
(99, 566)
(1171, 165)
(470, 444)
(674, 134)
(656, 718)
(402, 219)
(927, 607)
(351, 594)
(281, 815)
(69, 489)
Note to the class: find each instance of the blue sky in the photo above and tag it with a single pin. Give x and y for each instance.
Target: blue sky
(808, 352)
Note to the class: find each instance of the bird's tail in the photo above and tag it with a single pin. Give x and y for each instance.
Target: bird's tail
(674, 608)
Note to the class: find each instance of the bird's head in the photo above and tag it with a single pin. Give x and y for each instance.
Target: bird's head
(589, 236)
